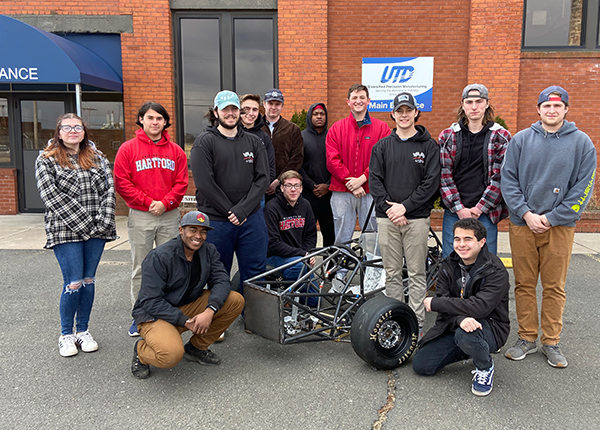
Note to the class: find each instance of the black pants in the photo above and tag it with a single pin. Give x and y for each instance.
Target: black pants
(322, 209)
(451, 347)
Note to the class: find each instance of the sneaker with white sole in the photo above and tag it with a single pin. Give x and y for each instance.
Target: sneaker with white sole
(483, 381)
(66, 345)
(554, 355)
(520, 350)
(133, 330)
(86, 342)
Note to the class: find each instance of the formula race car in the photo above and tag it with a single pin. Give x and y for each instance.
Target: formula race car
(341, 295)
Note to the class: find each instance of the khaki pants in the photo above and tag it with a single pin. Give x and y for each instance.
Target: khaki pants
(144, 230)
(162, 345)
(408, 241)
(547, 255)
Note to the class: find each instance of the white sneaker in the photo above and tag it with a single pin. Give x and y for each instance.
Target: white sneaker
(66, 345)
(221, 338)
(86, 341)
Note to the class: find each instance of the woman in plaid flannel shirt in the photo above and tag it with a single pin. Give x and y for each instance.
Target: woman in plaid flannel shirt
(76, 185)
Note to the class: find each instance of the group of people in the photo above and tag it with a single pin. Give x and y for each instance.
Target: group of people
(261, 187)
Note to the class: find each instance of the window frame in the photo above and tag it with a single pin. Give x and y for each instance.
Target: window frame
(590, 30)
(227, 46)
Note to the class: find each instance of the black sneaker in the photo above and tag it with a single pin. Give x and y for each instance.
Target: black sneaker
(139, 369)
(205, 357)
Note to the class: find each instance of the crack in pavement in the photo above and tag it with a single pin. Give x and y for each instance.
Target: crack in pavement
(391, 399)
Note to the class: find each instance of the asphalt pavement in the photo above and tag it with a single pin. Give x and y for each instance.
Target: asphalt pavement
(261, 384)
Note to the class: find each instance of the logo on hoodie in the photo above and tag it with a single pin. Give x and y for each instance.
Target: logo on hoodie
(419, 157)
(249, 157)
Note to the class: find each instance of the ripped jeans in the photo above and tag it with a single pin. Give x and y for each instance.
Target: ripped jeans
(78, 262)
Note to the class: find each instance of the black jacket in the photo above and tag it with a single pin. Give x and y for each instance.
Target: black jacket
(292, 230)
(266, 140)
(230, 174)
(166, 282)
(485, 296)
(406, 172)
(314, 167)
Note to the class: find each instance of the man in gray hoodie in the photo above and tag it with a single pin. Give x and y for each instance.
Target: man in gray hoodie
(547, 181)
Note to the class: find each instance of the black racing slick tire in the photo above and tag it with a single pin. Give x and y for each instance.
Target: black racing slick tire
(384, 332)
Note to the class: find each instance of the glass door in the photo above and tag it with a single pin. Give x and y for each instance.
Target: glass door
(37, 126)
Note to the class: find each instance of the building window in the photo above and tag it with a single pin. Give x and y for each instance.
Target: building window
(104, 120)
(561, 24)
(229, 50)
(4, 141)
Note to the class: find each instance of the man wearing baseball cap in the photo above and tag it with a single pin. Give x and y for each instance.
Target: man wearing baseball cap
(404, 175)
(286, 137)
(231, 173)
(471, 154)
(547, 182)
(184, 287)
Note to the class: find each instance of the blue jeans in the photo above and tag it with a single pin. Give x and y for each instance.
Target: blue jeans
(249, 241)
(78, 262)
(448, 236)
(452, 347)
(293, 273)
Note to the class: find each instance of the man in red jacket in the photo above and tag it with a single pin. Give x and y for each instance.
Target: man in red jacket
(152, 177)
(348, 149)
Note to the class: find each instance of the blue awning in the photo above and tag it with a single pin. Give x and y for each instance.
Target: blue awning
(31, 55)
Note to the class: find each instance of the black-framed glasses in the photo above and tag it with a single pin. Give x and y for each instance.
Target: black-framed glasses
(294, 186)
(69, 128)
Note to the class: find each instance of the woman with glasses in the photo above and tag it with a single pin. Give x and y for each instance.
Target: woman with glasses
(76, 185)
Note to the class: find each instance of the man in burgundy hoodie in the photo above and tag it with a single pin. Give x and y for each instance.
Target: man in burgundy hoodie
(152, 177)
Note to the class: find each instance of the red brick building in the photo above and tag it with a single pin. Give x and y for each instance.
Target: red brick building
(181, 52)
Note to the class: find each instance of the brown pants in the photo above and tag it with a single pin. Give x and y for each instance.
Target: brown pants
(162, 345)
(547, 255)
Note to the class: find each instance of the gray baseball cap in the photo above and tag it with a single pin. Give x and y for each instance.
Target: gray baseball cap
(196, 218)
(483, 92)
(404, 99)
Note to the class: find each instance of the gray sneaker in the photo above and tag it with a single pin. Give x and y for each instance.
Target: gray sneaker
(554, 355)
(521, 349)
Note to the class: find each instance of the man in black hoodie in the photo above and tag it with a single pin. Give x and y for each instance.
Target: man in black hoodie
(471, 299)
(314, 171)
(231, 173)
(291, 223)
(404, 174)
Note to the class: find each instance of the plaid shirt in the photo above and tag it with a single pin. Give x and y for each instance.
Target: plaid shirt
(491, 202)
(80, 204)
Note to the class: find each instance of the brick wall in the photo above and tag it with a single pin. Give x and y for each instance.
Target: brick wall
(8, 196)
(404, 29)
(495, 53)
(302, 51)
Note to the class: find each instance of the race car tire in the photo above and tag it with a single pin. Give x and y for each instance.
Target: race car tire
(384, 332)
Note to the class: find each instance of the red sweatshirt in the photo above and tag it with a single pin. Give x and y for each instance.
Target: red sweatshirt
(147, 171)
(348, 149)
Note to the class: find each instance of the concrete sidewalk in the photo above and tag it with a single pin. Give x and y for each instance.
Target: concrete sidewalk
(26, 231)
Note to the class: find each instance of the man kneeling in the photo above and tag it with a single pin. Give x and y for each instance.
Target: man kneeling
(173, 299)
(472, 304)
